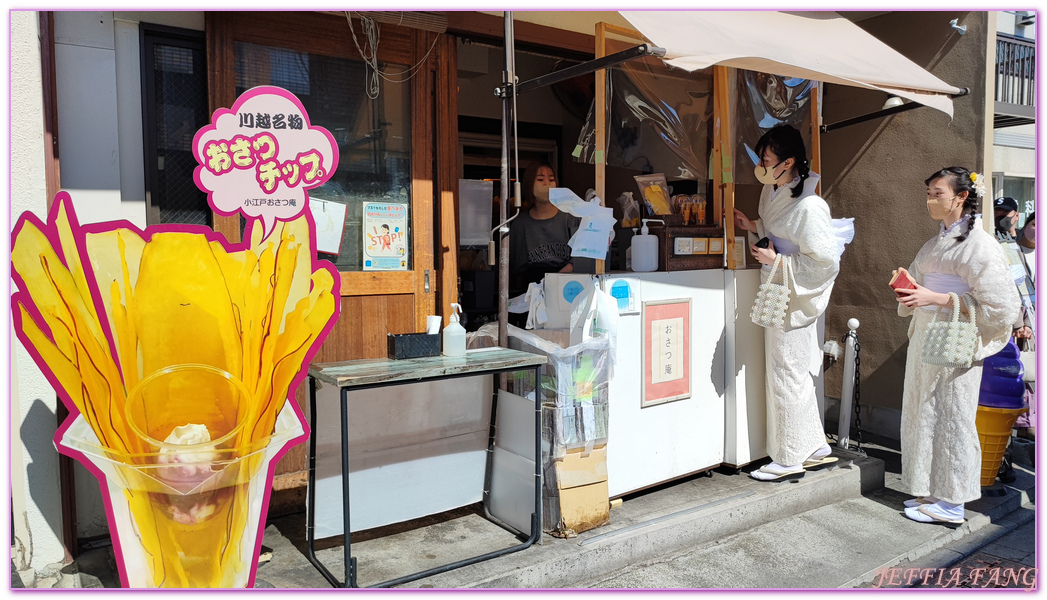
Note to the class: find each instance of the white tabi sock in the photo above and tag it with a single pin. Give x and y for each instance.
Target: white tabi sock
(821, 453)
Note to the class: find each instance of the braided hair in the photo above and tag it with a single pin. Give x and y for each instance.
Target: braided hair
(786, 142)
(959, 179)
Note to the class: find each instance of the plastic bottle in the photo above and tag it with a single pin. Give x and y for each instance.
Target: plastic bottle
(454, 334)
(629, 252)
(700, 219)
(645, 249)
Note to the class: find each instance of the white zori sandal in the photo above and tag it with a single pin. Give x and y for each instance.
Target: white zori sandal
(950, 516)
(776, 472)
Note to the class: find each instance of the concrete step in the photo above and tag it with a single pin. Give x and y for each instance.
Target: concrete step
(850, 543)
(645, 527)
(1001, 509)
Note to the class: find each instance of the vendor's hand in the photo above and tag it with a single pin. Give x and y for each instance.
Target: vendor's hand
(1023, 333)
(568, 268)
(922, 296)
(742, 222)
(764, 255)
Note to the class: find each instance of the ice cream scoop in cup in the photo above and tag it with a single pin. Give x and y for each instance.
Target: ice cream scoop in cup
(188, 500)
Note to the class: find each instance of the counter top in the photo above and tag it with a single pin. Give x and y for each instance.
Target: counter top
(368, 372)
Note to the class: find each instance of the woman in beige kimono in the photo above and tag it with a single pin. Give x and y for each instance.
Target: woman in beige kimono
(941, 455)
(797, 223)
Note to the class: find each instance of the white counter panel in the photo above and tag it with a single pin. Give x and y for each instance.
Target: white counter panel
(745, 415)
(648, 446)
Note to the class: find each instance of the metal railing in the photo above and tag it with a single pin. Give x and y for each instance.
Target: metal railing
(1015, 70)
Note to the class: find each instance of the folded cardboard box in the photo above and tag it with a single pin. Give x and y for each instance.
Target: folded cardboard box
(576, 496)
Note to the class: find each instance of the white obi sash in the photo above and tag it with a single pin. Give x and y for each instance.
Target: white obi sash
(943, 283)
(843, 229)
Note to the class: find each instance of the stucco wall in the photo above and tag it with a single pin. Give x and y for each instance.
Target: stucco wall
(875, 172)
(36, 501)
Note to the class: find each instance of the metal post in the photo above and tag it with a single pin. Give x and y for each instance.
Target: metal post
(508, 79)
(847, 393)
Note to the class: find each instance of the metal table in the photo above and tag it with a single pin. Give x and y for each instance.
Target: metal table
(357, 375)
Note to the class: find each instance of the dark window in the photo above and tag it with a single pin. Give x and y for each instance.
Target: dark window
(174, 105)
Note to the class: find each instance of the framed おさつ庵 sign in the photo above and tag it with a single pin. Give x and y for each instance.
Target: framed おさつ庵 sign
(666, 348)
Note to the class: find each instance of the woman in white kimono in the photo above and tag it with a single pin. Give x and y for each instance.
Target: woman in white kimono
(798, 225)
(941, 455)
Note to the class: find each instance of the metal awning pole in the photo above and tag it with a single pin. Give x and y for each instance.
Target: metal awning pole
(585, 68)
(508, 79)
(881, 113)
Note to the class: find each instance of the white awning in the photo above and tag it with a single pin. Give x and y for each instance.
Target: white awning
(822, 46)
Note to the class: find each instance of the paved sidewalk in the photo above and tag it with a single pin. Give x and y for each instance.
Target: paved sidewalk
(1007, 562)
(838, 527)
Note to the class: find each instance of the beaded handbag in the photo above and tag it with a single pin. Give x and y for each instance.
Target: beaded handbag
(772, 299)
(951, 343)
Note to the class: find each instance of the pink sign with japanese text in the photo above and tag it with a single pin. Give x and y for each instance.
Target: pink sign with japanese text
(261, 157)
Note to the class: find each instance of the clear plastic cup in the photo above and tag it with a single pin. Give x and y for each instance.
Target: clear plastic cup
(187, 515)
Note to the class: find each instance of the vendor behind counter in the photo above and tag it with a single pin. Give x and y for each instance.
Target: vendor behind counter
(538, 236)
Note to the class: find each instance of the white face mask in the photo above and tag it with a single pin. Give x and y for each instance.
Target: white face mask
(766, 176)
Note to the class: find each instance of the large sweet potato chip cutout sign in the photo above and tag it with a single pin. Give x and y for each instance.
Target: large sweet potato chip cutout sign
(262, 156)
(178, 353)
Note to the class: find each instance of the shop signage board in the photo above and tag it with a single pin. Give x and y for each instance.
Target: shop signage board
(262, 156)
(385, 237)
(666, 351)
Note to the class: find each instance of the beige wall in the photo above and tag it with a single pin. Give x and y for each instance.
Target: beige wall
(875, 172)
(35, 490)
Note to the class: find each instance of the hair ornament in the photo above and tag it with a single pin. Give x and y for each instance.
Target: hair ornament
(979, 184)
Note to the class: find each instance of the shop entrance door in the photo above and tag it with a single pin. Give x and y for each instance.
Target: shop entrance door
(385, 125)
(394, 149)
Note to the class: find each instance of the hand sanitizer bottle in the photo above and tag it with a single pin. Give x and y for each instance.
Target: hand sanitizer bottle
(645, 249)
(454, 334)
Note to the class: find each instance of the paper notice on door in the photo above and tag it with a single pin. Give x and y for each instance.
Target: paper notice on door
(330, 224)
(385, 237)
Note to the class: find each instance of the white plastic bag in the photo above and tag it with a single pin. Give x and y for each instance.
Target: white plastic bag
(596, 316)
(596, 229)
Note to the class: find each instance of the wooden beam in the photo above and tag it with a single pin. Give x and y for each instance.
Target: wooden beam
(446, 209)
(723, 171)
(475, 24)
(816, 137)
(622, 31)
(423, 96)
(221, 92)
(52, 172)
(600, 126)
(376, 283)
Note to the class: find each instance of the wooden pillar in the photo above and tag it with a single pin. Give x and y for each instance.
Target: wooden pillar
(600, 124)
(723, 159)
(816, 135)
(221, 92)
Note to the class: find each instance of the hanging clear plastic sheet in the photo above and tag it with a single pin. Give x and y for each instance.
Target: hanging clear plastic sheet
(659, 120)
(761, 101)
